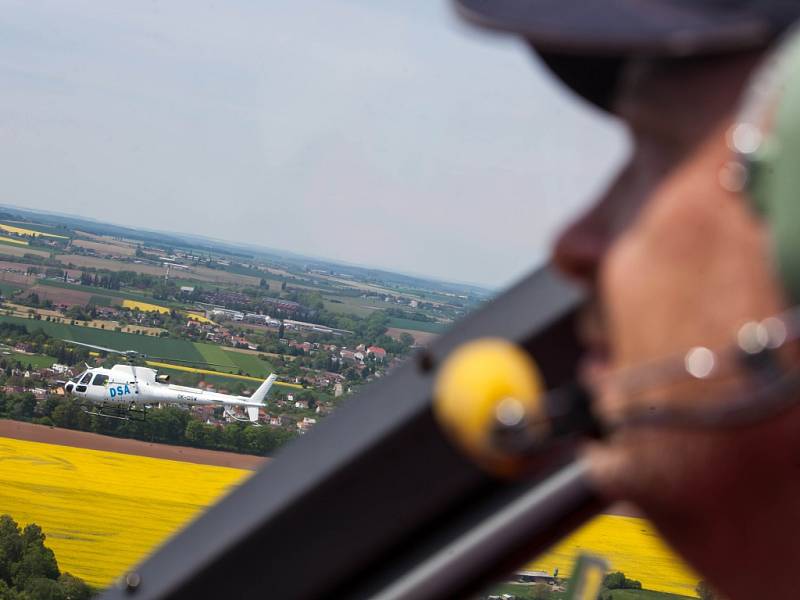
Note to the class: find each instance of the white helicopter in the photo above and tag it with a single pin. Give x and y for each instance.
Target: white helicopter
(125, 391)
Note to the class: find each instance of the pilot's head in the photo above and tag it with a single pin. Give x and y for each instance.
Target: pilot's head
(675, 257)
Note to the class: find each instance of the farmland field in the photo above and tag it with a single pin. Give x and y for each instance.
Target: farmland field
(103, 512)
(156, 346)
(525, 592)
(14, 250)
(40, 227)
(232, 360)
(115, 294)
(107, 247)
(108, 264)
(61, 295)
(195, 273)
(347, 305)
(8, 289)
(16, 229)
(37, 361)
(215, 355)
(150, 345)
(420, 337)
(100, 300)
(417, 325)
(250, 363)
(630, 545)
(144, 306)
(14, 241)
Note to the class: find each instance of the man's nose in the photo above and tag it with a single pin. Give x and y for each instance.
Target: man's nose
(579, 249)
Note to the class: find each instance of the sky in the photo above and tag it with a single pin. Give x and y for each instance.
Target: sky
(375, 132)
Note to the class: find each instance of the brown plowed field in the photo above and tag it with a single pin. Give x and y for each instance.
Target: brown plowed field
(105, 247)
(58, 295)
(10, 250)
(93, 441)
(420, 337)
(199, 273)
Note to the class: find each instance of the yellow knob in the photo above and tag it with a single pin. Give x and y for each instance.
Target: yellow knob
(475, 385)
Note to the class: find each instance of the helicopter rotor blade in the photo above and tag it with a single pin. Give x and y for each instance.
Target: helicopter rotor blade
(191, 362)
(137, 354)
(103, 348)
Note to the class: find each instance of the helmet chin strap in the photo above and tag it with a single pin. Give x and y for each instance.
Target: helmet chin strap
(747, 382)
(754, 378)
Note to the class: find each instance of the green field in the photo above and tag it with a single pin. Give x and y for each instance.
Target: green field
(348, 305)
(417, 325)
(215, 355)
(8, 289)
(166, 348)
(152, 346)
(250, 363)
(37, 361)
(9, 242)
(524, 592)
(100, 300)
(232, 361)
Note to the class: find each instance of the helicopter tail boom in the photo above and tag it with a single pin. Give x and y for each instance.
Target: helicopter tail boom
(256, 401)
(263, 389)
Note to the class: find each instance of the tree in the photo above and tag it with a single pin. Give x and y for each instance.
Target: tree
(42, 588)
(28, 568)
(10, 546)
(74, 588)
(618, 581)
(22, 407)
(37, 560)
(406, 339)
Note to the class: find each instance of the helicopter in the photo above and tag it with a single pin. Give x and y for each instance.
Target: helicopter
(127, 391)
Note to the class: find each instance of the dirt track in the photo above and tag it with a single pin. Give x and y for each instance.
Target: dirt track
(94, 441)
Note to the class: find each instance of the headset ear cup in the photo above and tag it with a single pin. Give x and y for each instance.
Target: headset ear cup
(773, 169)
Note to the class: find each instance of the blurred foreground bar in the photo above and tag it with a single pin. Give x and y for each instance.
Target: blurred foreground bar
(374, 502)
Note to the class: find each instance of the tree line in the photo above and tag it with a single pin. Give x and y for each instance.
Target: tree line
(170, 425)
(28, 568)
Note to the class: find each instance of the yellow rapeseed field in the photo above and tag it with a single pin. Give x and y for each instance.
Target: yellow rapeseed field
(10, 240)
(103, 512)
(199, 318)
(630, 545)
(29, 232)
(144, 306)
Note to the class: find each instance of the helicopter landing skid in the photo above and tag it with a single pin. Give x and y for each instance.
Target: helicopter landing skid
(235, 417)
(129, 413)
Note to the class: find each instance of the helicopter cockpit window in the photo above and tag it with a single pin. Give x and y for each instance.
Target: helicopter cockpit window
(192, 329)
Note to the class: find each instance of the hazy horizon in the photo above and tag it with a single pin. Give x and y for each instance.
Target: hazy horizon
(382, 135)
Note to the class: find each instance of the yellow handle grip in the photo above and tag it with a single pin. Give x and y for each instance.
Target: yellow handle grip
(476, 387)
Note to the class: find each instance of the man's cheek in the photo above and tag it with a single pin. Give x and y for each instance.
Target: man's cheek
(624, 292)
